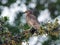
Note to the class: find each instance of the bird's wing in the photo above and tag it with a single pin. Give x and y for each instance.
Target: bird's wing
(33, 18)
(34, 21)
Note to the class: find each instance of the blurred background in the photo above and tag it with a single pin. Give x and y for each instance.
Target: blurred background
(44, 10)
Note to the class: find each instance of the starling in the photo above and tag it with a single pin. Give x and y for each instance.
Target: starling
(32, 20)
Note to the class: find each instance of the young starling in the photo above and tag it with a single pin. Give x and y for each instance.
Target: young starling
(31, 20)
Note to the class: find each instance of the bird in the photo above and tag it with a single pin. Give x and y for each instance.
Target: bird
(32, 20)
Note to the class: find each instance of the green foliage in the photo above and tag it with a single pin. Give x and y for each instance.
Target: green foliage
(26, 26)
(54, 37)
(17, 20)
(46, 42)
(12, 28)
(39, 7)
(27, 2)
(8, 3)
(10, 32)
(5, 18)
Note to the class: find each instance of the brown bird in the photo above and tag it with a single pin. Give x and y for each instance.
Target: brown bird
(32, 20)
